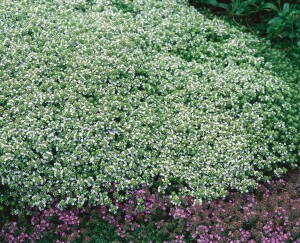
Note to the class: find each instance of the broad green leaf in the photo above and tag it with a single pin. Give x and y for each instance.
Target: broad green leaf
(240, 10)
(275, 20)
(286, 8)
(215, 4)
(270, 6)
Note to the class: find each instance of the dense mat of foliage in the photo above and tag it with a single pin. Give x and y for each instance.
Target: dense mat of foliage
(272, 214)
(130, 93)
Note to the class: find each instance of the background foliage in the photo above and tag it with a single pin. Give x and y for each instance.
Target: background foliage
(278, 20)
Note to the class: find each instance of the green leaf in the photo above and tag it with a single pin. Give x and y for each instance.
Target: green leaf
(215, 4)
(270, 6)
(295, 12)
(250, 2)
(286, 8)
(275, 20)
(240, 11)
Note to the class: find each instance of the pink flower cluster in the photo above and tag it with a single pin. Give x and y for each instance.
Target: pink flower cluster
(271, 214)
(64, 224)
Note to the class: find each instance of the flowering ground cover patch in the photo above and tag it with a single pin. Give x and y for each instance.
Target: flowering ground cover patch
(101, 94)
(269, 214)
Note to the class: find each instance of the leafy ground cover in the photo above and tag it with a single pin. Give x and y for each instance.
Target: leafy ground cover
(102, 99)
(151, 93)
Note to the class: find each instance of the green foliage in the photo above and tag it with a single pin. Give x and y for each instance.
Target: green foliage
(9, 204)
(279, 20)
(286, 24)
(240, 8)
(95, 230)
(132, 93)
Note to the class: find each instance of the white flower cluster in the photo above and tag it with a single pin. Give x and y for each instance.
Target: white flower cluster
(138, 92)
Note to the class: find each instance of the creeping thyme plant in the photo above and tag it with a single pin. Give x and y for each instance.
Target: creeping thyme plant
(111, 93)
